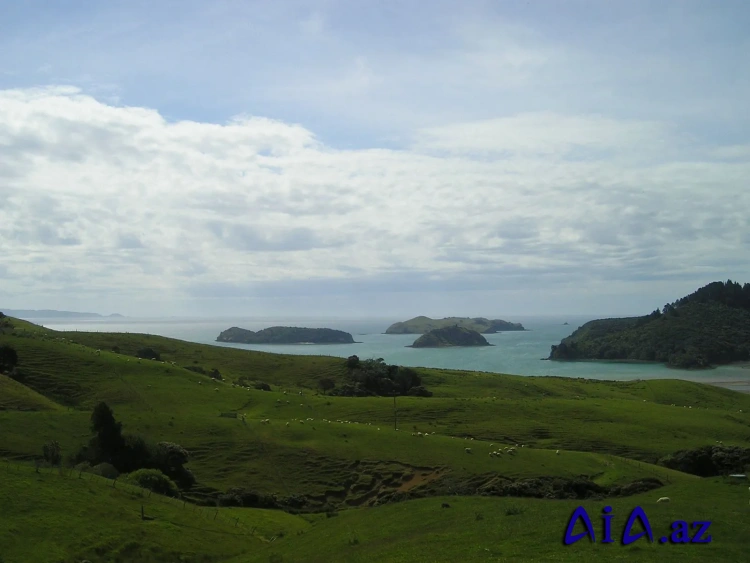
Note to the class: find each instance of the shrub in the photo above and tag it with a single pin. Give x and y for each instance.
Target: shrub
(8, 358)
(215, 374)
(262, 386)
(513, 511)
(148, 354)
(106, 470)
(153, 480)
(52, 453)
(116, 349)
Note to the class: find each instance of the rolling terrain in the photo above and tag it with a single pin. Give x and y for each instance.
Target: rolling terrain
(353, 487)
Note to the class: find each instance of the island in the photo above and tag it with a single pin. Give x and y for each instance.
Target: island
(421, 325)
(286, 335)
(708, 327)
(54, 314)
(450, 336)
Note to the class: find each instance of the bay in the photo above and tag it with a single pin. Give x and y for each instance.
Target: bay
(518, 353)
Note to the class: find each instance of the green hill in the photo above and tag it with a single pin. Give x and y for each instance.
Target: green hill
(286, 335)
(708, 327)
(421, 325)
(366, 490)
(450, 336)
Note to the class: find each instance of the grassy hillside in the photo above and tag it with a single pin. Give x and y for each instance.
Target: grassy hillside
(343, 452)
(40, 510)
(508, 529)
(47, 517)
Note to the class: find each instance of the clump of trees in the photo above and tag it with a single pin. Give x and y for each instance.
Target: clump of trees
(128, 452)
(375, 377)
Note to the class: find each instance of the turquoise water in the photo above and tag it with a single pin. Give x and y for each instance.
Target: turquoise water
(518, 353)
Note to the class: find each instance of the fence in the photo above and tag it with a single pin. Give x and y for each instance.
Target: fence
(147, 497)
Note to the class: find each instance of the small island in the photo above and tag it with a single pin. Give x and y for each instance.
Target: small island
(708, 327)
(422, 325)
(450, 336)
(286, 335)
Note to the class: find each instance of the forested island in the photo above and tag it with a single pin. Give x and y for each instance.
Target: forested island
(708, 327)
(421, 325)
(286, 335)
(450, 336)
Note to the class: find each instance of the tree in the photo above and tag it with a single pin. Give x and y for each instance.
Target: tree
(8, 358)
(52, 453)
(108, 442)
(326, 384)
(352, 362)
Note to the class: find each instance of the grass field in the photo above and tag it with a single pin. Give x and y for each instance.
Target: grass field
(346, 454)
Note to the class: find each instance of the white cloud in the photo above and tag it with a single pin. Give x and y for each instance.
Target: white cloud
(105, 199)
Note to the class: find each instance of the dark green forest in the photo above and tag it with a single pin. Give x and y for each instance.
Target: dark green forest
(708, 327)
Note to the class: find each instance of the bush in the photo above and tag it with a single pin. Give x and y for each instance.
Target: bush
(262, 386)
(215, 374)
(148, 354)
(8, 358)
(52, 453)
(352, 362)
(153, 480)
(106, 470)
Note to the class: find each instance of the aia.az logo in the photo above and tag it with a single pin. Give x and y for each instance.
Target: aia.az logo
(680, 530)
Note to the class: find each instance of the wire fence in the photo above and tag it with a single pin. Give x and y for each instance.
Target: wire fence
(148, 499)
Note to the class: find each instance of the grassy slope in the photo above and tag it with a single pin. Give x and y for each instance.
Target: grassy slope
(39, 511)
(167, 403)
(420, 531)
(16, 396)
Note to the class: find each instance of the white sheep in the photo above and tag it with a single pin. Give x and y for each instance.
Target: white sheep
(663, 499)
(467, 450)
(216, 389)
(287, 424)
(557, 452)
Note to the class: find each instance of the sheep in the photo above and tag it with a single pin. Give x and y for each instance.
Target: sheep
(200, 383)
(557, 452)
(287, 424)
(663, 499)
(467, 450)
(98, 352)
(216, 389)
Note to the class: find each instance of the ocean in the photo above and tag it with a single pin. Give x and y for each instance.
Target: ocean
(518, 353)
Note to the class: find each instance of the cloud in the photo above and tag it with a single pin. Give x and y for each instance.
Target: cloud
(257, 201)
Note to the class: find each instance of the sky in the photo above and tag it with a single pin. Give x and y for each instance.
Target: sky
(358, 158)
